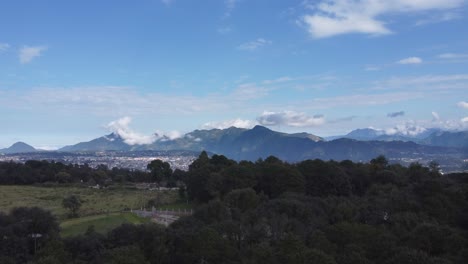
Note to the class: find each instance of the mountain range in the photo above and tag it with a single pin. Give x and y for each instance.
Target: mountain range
(429, 137)
(261, 142)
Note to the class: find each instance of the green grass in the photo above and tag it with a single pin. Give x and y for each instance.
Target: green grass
(102, 223)
(94, 201)
(100, 208)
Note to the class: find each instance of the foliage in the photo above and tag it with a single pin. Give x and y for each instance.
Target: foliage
(72, 203)
(102, 223)
(271, 211)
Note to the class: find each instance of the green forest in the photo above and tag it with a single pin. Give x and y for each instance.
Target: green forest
(268, 211)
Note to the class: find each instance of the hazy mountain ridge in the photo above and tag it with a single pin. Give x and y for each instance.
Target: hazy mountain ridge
(18, 147)
(105, 143)
(429, 137)
(448, 139)
(261, 142)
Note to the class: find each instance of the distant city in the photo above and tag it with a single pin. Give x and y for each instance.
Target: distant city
(130, 160)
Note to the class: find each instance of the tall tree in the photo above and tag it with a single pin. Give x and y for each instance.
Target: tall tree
(160, 170)
(72, 203)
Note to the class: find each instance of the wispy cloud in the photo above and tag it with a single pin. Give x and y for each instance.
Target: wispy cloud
(426, 82)
(255, 44)
(410, 60)
(407, 129)
(335, 17)
(167, 2)
(290, 118)
(416, 127)
(278, 80)
(463, 104)
(224, 30)
(438, 18)
(452, 56)
(123, 101)
(4, 47)
(240, 123)
(361, 100)
(122, 128)
(230, 6)
(28, 53)
(249, 91)
(372, 68)
(342, 119)
(396, 114)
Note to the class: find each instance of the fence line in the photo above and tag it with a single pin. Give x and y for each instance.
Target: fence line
(164, 217)
(154, 212)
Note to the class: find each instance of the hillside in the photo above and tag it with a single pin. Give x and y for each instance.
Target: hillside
(18, 147)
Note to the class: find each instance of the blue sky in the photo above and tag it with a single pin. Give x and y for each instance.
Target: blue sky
(74, 70)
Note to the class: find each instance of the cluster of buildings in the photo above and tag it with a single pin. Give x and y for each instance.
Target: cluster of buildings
(127, 160)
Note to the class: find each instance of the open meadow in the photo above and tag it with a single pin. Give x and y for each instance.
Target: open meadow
(101, 208)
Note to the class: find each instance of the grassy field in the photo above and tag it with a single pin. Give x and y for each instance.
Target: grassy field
(100, 208)
(94, 201)
(102, 223)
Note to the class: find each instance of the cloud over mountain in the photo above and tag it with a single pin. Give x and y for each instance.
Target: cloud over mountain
(290, 118)
(121, 128)
(240, 123)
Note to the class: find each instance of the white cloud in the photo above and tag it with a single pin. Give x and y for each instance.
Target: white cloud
(408, 129)
(452, 56)
(416, 127)
(121, 128)
(4, 47)
(336, 17)
(463, 104)
(290, 118)
(255, 44)
(27, 54)
(240, 123)
(410, 60)
(323, 27)
(164, 136)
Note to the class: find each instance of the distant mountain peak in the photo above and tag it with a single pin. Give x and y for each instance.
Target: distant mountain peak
(112, 137)
(259, 127)
(18, 147)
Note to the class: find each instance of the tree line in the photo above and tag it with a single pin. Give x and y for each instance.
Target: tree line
(270, 211)
(40, 172)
